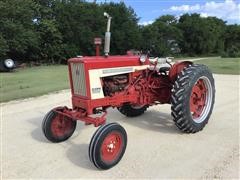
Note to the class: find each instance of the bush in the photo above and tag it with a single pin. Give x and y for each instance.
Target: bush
(231, 52)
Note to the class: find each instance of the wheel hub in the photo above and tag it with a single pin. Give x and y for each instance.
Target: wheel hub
(198, 98)
(111, 146)
(61, 126)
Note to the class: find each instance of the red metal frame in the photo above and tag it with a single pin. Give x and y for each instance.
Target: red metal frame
(145, 87)
(80, 114)
(177, 68)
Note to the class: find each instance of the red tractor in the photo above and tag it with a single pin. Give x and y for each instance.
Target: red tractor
(130, 83)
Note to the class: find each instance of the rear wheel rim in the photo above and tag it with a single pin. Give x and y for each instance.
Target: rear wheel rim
(201, 99)
(111, 147)
(61, 126)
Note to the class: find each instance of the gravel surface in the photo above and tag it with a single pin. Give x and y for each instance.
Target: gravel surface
(156, 148)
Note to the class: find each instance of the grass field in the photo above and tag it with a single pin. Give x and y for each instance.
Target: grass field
(32, 82)
(222, 65)
(37, 81)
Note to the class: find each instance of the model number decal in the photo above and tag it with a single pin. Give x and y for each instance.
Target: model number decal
(96, 90)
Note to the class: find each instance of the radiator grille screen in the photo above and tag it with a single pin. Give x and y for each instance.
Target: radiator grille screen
(78, 77)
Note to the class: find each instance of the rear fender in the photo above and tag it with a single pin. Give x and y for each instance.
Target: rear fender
(177, 68)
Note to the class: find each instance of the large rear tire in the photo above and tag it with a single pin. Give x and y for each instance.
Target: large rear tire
(192, 99)
(132, 111)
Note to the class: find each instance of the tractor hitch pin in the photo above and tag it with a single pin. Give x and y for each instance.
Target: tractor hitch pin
(107, 35)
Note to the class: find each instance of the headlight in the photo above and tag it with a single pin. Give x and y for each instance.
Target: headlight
(143, 58)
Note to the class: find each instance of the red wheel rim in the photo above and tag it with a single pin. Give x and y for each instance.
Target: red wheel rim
(198, 98)
(111, 146)
(61, 126)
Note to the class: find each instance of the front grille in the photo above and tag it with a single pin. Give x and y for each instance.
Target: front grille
(78, 78)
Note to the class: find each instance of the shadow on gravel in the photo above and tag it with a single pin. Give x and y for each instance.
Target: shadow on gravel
(37, 133)
(78, 155)
(151, 120)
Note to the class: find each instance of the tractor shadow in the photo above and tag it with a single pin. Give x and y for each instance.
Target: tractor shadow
(37, 133)
(78, 155)
(151, 120)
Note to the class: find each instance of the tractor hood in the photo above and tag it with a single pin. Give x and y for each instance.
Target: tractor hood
(98, 62)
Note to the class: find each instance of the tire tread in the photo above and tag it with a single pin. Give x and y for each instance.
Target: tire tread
(178, 98)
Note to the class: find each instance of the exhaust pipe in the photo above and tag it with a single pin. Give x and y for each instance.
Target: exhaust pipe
(107, 35)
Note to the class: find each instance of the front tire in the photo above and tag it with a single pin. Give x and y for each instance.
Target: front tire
(57, 128)
(192, 99)
(107, 146)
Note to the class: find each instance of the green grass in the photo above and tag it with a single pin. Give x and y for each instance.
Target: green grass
(222, 65)
(32, 82)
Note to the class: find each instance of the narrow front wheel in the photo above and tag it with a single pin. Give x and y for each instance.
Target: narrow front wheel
(107, 146)
(57, 127)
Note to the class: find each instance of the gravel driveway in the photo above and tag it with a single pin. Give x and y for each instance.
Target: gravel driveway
(156, 148)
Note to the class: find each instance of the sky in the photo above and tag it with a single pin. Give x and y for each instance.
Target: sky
(149, 10)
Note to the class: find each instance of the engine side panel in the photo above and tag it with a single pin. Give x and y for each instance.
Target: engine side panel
(97, 67)
(95, 76)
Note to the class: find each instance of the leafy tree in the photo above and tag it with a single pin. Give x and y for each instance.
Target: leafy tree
(16, 28)
(79, 22)
(160, 36)
(53, 30)
(3, 46)
(50, 47)
(216, 27)
(201, 35)
(51, 41)
(232, 41)
(168, 19)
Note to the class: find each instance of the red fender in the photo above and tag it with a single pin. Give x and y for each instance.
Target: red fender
(177, 68)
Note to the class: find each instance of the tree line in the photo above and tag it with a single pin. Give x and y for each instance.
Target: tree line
(54, 30)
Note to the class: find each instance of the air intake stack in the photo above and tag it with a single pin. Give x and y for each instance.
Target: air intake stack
(107, 35)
